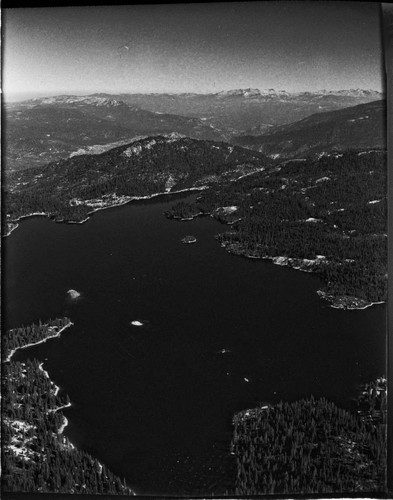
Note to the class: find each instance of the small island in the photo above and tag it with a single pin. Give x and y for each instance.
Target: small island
(189, 239)
(74, 294)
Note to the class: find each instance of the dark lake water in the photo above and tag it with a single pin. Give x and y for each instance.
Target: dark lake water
(155, 403)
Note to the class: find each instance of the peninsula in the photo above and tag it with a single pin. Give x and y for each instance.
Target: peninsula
(37, 457)
(311, 446)
(313, 215)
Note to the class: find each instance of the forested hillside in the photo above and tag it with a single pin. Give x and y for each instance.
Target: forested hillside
(311, 446)
(36, 456)
(70, 189)
(18, 338)
(357, 127)
(324, 215)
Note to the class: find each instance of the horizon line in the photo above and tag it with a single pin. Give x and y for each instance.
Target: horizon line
(11, 96)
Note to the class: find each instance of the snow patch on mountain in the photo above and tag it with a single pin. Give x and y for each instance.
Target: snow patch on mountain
(72, 99)
(250, 92)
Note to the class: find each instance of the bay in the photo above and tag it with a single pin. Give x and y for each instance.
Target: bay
(155, 402)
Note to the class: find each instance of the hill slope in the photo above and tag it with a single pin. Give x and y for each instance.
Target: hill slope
(357, 127)
(326, 216)
(70, 189)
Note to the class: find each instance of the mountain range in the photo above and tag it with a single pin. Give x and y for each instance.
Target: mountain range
(38, 131)
(240, 109)
(42, 130)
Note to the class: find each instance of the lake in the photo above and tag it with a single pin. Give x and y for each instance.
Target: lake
(155, 402)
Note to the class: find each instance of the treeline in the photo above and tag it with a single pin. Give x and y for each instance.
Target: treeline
(302, 209)
(309, 446)
(182, 210)
(45, 201)
(22, 336)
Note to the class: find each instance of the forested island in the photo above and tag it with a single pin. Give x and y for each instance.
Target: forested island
(322, 214)
(312, 446)
(36, 456)
(189, 239)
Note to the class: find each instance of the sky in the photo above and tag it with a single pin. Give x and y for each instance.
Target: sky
(202, 47)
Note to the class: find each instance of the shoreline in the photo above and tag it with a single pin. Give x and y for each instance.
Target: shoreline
(55, 392)
(16, 225)
(129, 200)
(65, 442)
(61, 429)
(355, 308)
(368, 305)
(15, 221)
(114, 205)
(46, 374)
(178, 217)
(150, 196)
(57, 334)
(338, 302)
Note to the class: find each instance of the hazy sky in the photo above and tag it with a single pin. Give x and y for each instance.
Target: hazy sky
(192, 47)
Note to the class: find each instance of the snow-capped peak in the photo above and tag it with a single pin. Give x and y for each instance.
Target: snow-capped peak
(239, 92)
(73, 99)
(351, 92)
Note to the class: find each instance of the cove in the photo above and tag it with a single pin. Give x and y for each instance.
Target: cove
(154, 401)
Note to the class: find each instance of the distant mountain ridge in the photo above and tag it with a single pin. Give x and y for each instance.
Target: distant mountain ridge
(73, 99)
(249, 92)
(238, 110)
(357, 127)
(47, 129)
